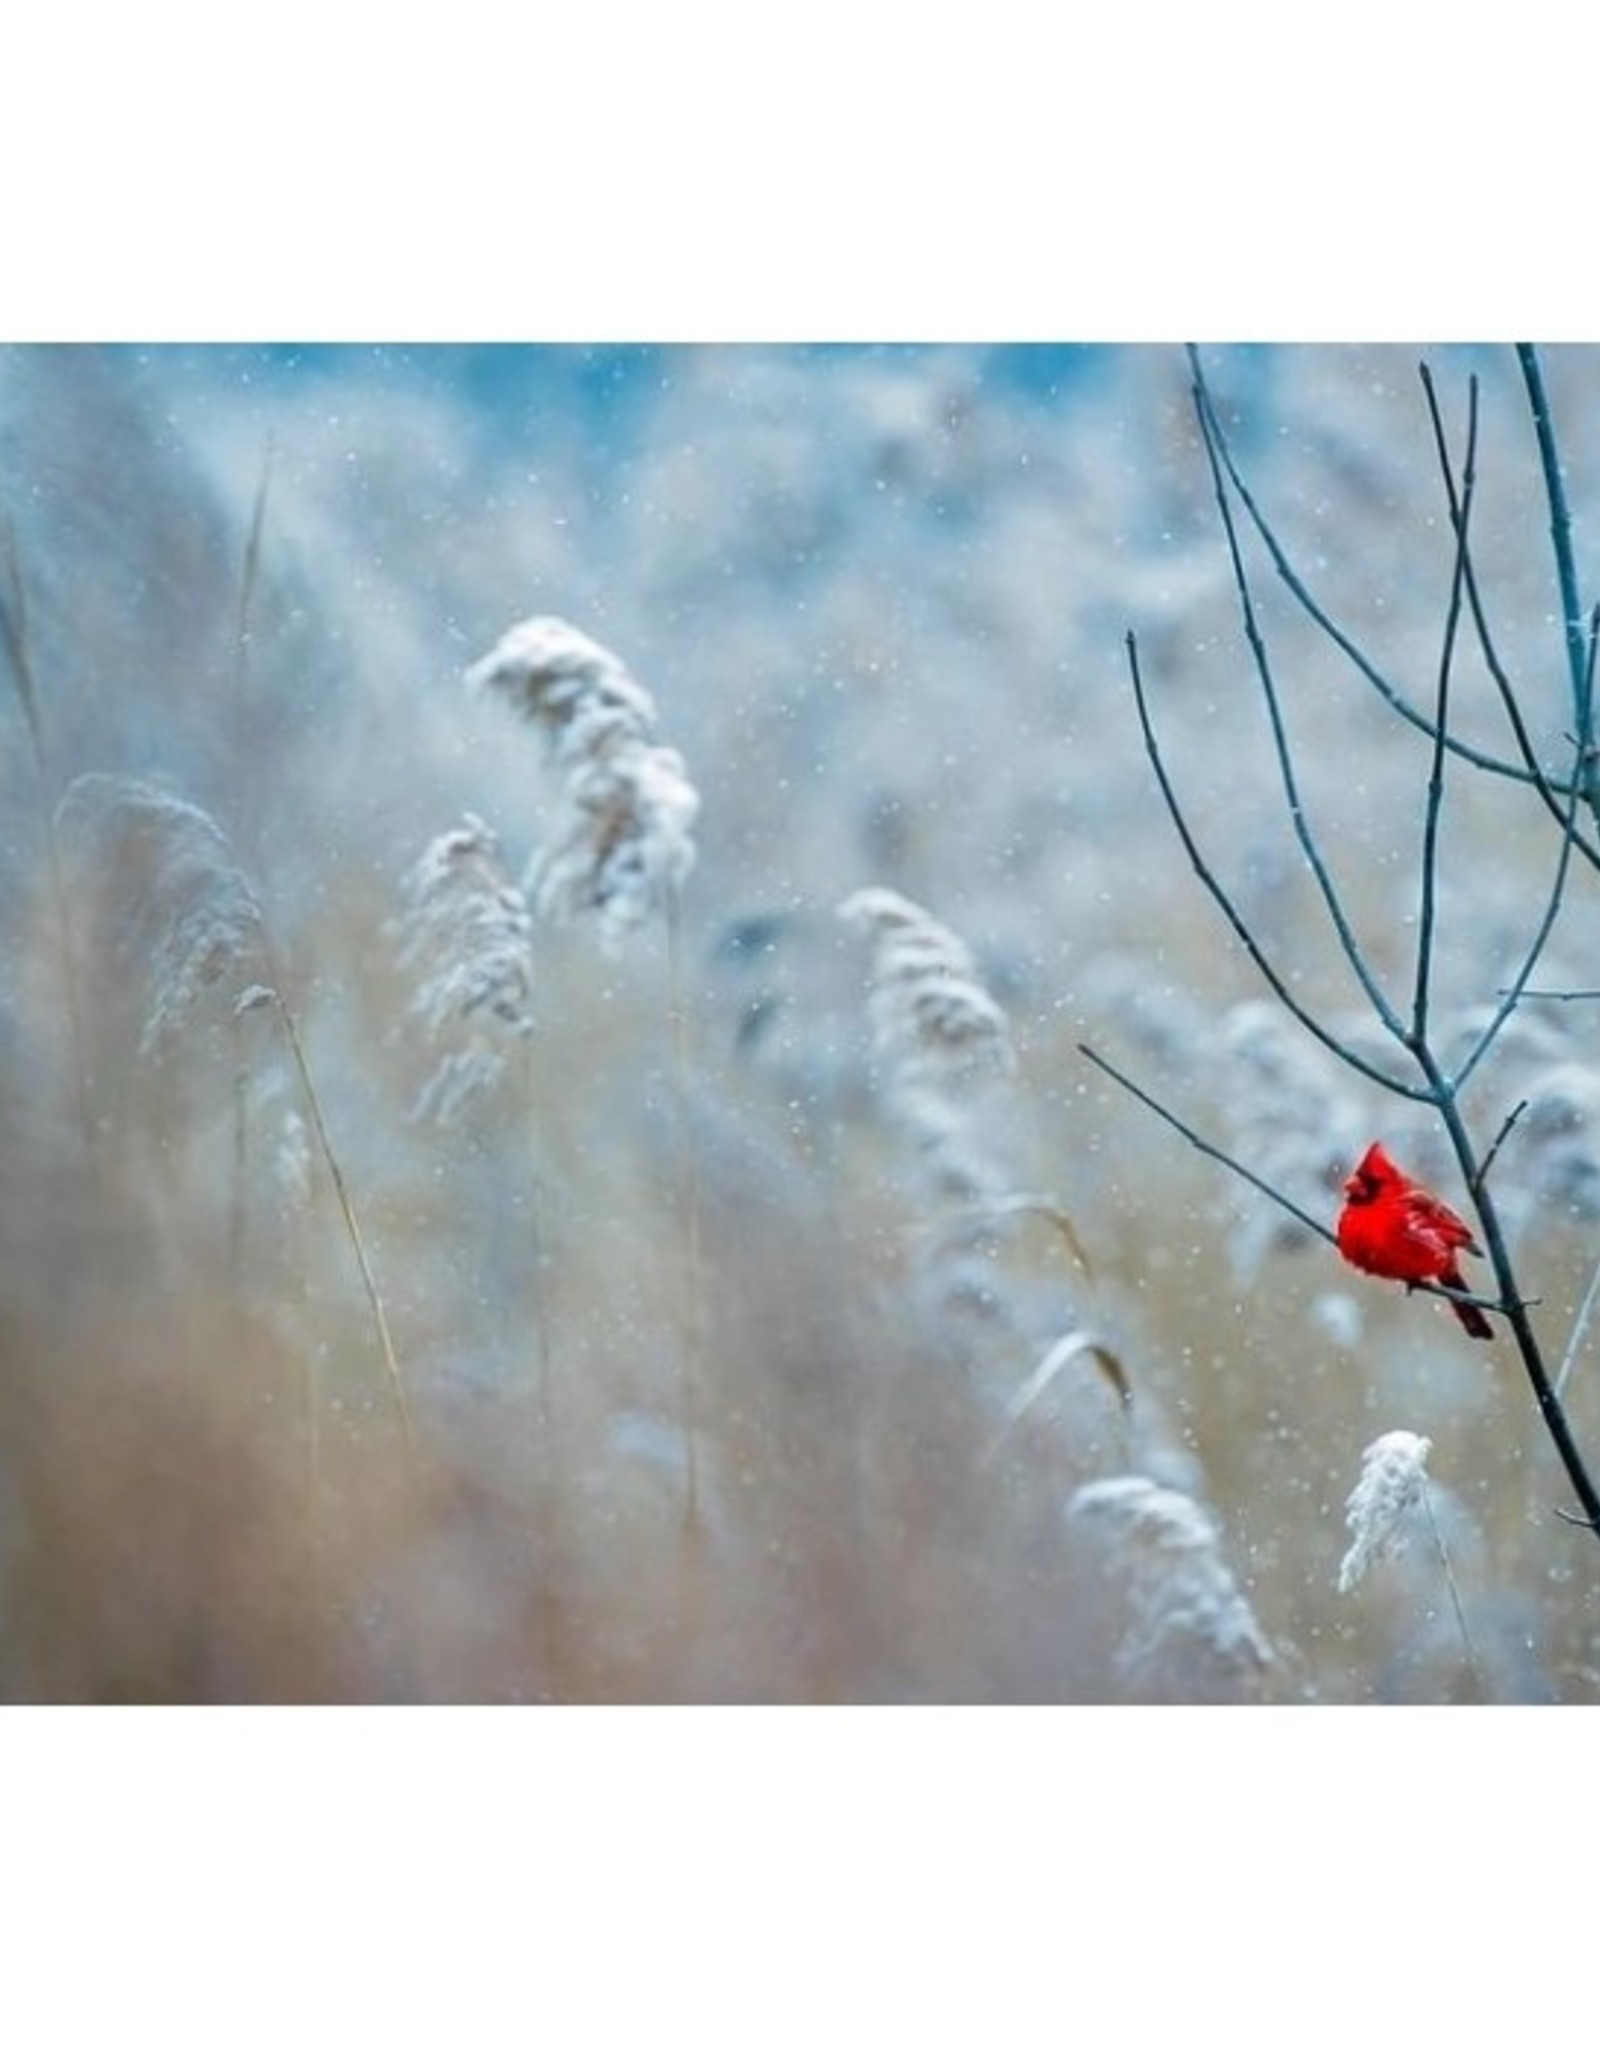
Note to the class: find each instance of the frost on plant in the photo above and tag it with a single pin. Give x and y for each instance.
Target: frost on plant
(173, 915)
(465, 934)
(622, 841)
(1190, 1620)
(1383, 1508)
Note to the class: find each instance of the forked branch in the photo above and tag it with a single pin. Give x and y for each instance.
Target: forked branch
(1435, 1087)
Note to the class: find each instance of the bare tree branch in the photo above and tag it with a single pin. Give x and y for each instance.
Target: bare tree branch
(1507, 1126)
(1441, 713)
(1437, 1089)
(1205, 1145)
(1387, 1015)
(1511, 997)
(1550, 789)
(1578, 663)
(1463, 750)
(1492, 1303)
(1516, 1310)
(1230, 910)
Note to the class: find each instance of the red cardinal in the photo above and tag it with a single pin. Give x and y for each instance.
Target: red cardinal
(1393, 1227)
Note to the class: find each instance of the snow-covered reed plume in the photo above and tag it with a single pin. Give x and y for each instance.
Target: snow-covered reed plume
(1192, 1626)
(933, 1021)
(178, 921)
(1389, 1501)
(177, 918)
(1392, 1498)
(939, 1034)
(937, 1031)
(619, 848)
(465, 933)
(621, 844)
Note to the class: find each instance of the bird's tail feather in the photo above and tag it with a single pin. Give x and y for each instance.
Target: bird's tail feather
(1472, 1320)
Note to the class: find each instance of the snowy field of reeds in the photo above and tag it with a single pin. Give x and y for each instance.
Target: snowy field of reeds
(552, 899)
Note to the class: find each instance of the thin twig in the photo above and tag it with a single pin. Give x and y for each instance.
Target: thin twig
(1579, 664)
(1492, 1304)
(1230, 911)
(1441, 714)
(1383, 1009)
(1493, 1152)
(1205, 1145)
(1359, 660)
(1508, 1002)
(1550, 790)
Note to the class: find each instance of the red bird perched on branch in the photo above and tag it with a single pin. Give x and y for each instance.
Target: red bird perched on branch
(1393, 1227)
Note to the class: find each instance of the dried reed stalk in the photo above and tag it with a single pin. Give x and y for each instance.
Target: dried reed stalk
(180, 923)
(619, 848)
(14, 631)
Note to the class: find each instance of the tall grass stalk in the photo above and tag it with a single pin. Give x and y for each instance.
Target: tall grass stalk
(251, 570)
(618, 848)
(692, 1344)
(249, 575)
(239, 1193)
(352, 1227)
(15, 633)
(548, 1515)
(1454, 1591)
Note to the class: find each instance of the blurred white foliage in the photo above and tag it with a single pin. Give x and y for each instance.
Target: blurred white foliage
(1339, 1317)
(933, 1020)
(1189, 1615)
(940, 1035)
(465, 932)
(176, 916)
(622, 843)
(291, 1163)
(1558, 1140)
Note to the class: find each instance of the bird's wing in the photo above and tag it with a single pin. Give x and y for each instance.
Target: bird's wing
(1440, 1220)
